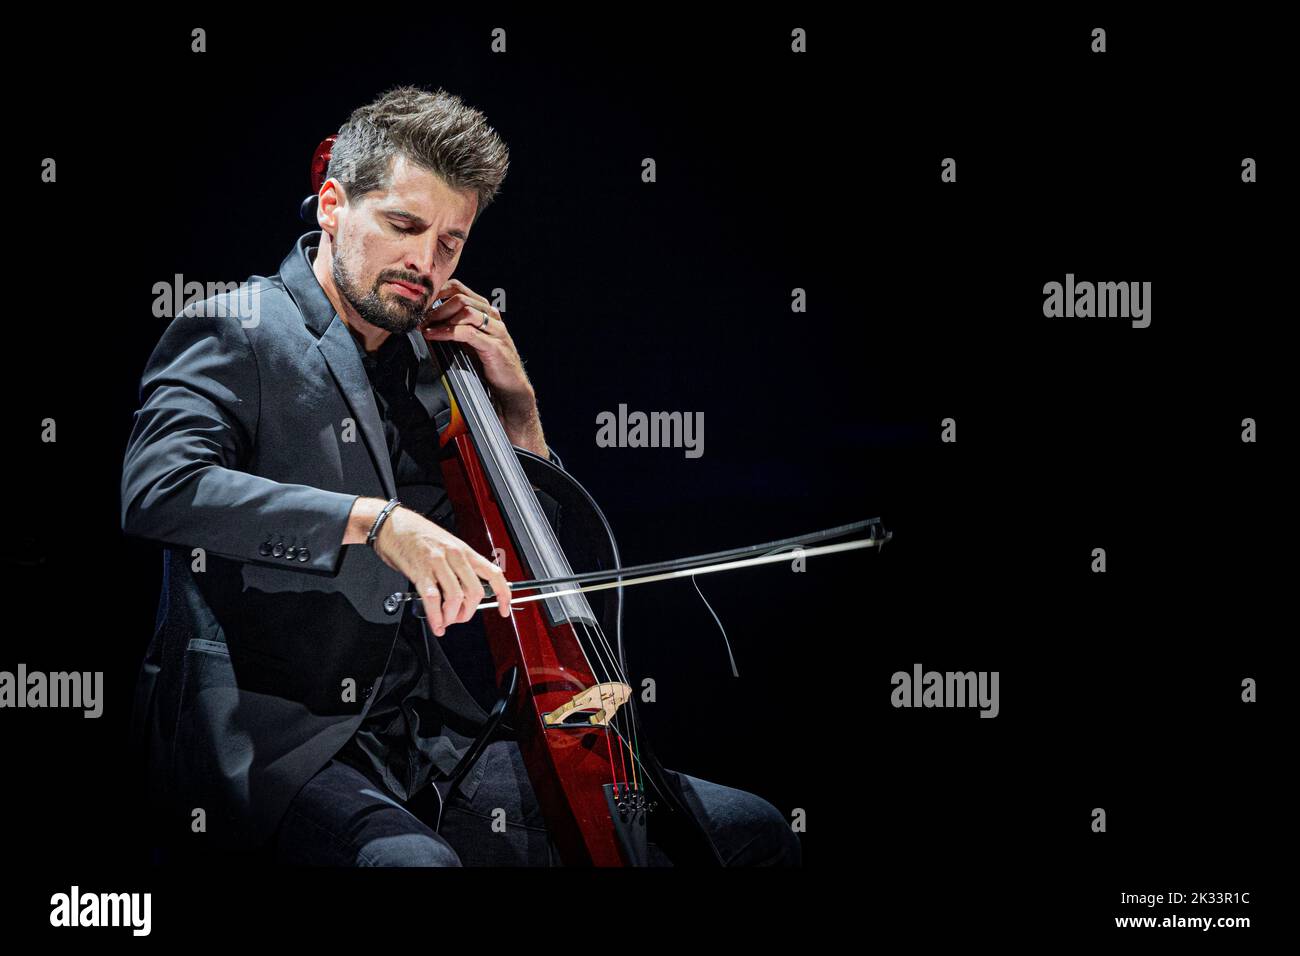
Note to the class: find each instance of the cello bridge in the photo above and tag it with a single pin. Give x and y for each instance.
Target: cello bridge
(593, 707)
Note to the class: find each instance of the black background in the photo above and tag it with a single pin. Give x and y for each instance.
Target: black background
(775, 171)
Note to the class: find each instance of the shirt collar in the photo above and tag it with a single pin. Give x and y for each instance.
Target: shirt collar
(300, 281)
(393, 353)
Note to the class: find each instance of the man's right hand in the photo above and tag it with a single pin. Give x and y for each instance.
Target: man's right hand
(444, 569)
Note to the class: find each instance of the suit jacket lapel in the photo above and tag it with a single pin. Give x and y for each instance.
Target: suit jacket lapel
(340, 351)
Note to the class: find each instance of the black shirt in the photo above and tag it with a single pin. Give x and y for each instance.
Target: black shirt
(404, 737)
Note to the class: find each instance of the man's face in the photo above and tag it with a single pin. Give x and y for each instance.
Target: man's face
(396, 247)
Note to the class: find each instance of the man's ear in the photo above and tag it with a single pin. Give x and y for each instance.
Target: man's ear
(328, 201)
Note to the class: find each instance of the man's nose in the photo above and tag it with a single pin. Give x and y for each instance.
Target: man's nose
(420, 257)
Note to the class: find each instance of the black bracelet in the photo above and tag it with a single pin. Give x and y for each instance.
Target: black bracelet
(374, 530)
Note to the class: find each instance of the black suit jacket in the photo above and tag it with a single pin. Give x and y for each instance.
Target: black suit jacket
(268, 640)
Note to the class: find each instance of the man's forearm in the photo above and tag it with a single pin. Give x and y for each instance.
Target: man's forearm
(529, 438)
(524, 429)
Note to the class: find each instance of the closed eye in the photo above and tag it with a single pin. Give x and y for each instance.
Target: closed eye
(450, 250)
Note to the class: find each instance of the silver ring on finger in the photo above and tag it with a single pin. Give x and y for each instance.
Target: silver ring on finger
(486, 319)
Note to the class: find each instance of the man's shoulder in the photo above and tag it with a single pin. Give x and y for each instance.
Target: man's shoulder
(259, 305)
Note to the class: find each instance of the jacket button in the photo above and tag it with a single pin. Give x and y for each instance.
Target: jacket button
(265, 548)
(290, 552)
(278, 550)
(303, 554)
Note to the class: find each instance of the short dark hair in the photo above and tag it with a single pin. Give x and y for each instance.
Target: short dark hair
(436, 131)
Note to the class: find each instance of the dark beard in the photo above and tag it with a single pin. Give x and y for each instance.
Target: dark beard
(392, 315)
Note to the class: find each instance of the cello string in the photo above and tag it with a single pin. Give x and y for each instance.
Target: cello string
(473, 398)
(504, 455)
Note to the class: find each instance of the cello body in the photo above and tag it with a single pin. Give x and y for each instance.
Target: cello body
(602, 790)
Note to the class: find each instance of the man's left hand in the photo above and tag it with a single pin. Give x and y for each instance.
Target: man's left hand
(460, 319)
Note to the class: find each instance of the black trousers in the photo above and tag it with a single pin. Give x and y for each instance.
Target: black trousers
(343, 818)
